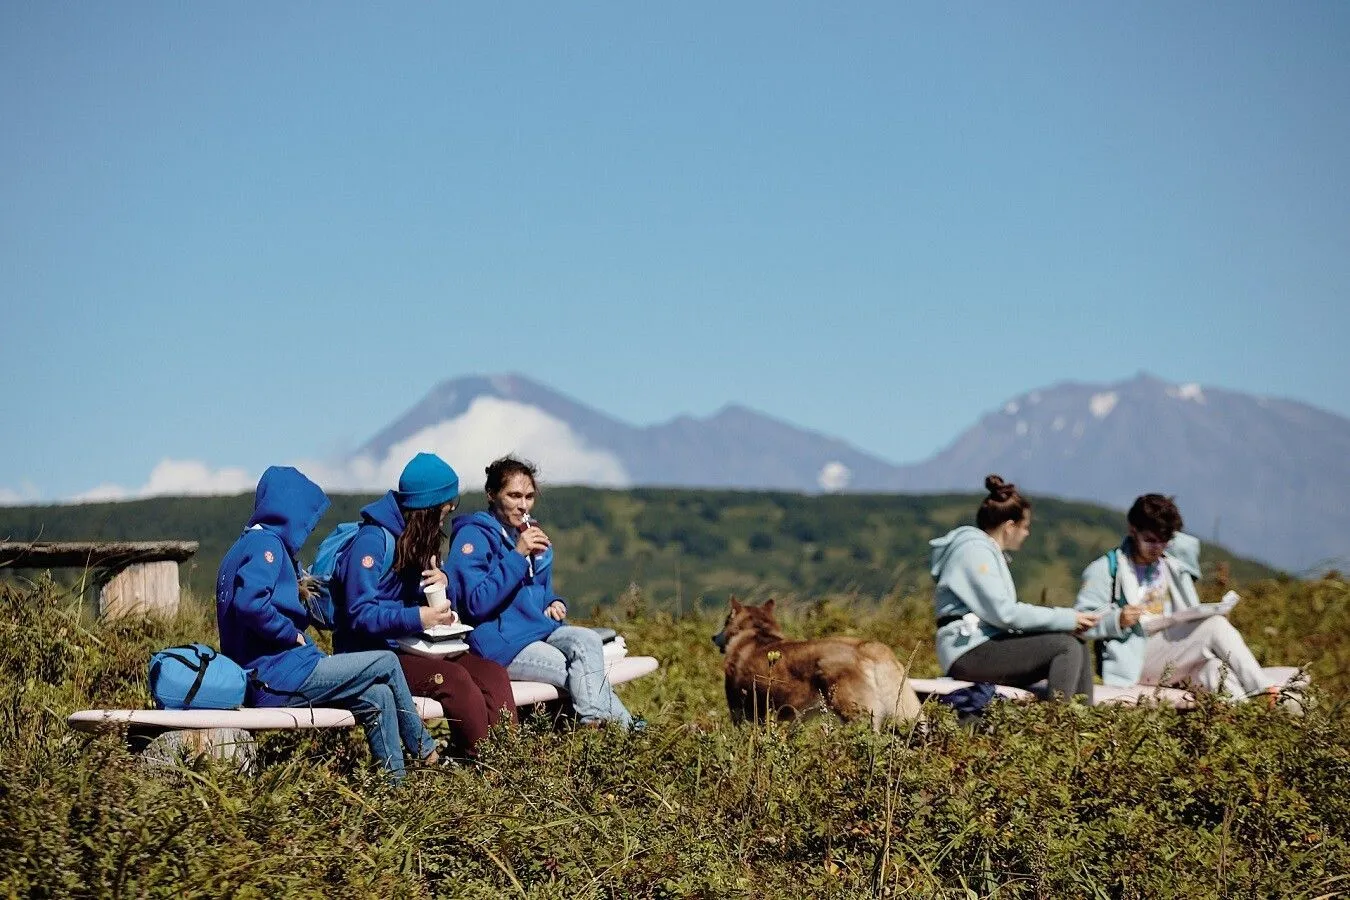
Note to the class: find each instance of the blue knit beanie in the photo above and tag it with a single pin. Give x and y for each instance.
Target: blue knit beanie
(427, 481)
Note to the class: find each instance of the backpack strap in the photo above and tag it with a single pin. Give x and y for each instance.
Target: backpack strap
(258, 684)
(1113, 569)
(1117, 598)
(203, 660)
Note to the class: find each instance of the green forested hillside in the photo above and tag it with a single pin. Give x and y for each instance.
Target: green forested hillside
(675, 549)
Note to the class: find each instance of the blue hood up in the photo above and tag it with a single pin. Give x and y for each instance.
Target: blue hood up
(289, 505)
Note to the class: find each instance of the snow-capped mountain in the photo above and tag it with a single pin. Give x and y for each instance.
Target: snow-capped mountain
(734, 447)
(1263, 476)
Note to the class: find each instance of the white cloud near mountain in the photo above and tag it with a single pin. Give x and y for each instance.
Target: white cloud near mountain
(22, 495)
(834, 476)
(177, 478)
(489, 428)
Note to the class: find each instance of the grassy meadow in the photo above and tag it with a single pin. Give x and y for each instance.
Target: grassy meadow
(1038, 801)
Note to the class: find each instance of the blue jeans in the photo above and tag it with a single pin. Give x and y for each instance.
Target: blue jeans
(372, 686)
(573, 658)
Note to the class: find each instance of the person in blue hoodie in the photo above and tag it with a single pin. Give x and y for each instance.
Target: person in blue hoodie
(501, 578)
(262, 620)
(1151, 575)
(379, 599)
(983, 632)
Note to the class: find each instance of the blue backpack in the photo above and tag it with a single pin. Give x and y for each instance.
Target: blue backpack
(196, 676)
(332, 551)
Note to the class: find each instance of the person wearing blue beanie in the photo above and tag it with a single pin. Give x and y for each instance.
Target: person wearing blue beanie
(427, 481)
(379, 597)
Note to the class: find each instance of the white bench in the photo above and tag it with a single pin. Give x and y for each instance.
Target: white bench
(1130, 695)
(526, 693)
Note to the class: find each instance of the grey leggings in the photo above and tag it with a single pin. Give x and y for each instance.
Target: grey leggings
(1024, 659)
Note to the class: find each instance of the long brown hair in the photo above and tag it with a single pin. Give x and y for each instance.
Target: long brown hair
(421, 539)
(1004, 504)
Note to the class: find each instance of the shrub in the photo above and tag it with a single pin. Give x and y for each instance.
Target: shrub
(1039, 801)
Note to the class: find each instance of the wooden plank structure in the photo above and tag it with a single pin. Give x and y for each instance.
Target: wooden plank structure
(134, 577)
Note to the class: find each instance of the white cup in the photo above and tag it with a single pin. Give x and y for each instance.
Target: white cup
(435, 594)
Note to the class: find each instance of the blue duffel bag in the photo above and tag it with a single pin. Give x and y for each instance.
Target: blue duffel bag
(196, 676)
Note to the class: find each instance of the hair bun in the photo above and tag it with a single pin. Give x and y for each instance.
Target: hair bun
(999, 489)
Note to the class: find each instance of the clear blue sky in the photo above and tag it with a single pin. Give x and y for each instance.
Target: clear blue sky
(253, 233)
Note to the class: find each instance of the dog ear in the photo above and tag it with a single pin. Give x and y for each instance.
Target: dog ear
(768, 605)
(735, 604)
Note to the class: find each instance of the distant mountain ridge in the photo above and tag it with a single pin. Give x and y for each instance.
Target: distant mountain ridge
(735, 447)
(1261, 475)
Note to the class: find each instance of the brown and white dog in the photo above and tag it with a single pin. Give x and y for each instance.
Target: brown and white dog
(852, 677)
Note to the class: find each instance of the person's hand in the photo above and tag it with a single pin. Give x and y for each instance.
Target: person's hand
(300, 638)
(432, 617)
(557, 611)
(1130, 615)
(434, 575)
(1084, 621)
(531, 541)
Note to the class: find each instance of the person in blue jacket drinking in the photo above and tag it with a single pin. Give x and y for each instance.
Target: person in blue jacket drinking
(262, 621)
(379, 598)
(984, 633)
(501, 578)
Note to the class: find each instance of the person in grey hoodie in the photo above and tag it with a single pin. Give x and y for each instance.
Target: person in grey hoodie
(983, 632)
(1152, 574)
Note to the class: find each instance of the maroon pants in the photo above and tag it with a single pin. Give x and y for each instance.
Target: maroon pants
(473, 692)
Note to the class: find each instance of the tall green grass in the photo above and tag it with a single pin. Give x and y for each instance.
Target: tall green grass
(1039, 801)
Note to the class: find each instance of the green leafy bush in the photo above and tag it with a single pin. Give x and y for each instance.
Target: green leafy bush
(1038, 801)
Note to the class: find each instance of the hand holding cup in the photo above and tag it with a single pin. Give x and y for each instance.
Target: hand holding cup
(531, 541)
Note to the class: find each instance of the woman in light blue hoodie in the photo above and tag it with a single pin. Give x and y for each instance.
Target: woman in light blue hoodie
(984, 633)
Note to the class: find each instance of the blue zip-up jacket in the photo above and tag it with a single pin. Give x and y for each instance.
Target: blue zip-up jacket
(375, 605)
(973, 577)
(258, 607)
(1122, 649)
(493, 590)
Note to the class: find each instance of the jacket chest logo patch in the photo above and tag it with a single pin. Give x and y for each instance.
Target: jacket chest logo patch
(984, 568)
(467, 549)
(367, 562)
(267, 555)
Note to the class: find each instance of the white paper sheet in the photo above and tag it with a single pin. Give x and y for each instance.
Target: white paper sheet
(1154, 623)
